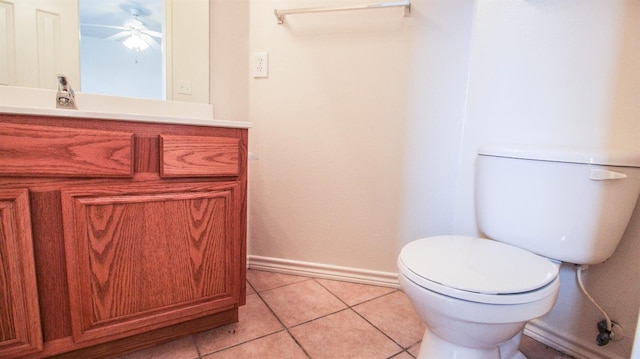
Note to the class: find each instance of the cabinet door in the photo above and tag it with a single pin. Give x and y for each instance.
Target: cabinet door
(20, 331)
(146, 255)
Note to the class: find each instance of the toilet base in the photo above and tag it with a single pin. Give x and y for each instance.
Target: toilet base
(509, 349)
(434, 347)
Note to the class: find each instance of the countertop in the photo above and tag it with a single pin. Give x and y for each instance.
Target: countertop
(28, 101)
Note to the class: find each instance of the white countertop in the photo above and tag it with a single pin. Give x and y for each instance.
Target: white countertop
(31, 101)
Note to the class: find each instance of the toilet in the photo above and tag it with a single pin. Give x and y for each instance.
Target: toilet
(538, 207)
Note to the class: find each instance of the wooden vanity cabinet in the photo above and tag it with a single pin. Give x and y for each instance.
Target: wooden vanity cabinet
(117, 235)
(20, 330)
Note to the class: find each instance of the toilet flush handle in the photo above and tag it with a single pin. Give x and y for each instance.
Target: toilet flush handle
(598, 174)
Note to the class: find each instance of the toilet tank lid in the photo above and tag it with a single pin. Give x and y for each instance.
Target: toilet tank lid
(564, 154)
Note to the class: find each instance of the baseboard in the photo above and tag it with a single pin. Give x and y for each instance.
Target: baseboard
(325, 271)
(566, 343)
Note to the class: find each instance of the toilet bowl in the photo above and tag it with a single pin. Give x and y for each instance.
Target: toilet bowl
(475, 295)
(539, 207)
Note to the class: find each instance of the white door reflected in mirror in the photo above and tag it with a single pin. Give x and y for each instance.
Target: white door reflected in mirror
(38, 40)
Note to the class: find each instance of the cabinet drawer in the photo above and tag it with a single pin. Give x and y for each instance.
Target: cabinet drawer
(199, 156)
(47, 151)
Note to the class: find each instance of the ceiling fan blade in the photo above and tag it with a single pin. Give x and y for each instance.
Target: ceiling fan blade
(119, 35)
(105, 26)
(152, 33)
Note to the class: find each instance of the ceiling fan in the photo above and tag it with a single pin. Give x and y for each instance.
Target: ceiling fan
(135, 33)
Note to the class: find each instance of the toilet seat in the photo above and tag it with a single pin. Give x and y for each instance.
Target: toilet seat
(479, 270)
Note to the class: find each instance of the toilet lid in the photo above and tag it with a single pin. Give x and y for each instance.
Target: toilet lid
(477, 265)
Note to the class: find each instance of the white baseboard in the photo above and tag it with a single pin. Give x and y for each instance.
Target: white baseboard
(566, 343)
(316, 270)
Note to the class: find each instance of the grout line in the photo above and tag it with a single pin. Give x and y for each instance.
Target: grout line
(351, 307)
(348, 307)
(298, 344)
(195, 344)
(381, 331)
(278, 318)
(252, 339)
(332, 293)
(267, 305)
(287, 329)
(245, 342)
(282, 285)
(404, 351)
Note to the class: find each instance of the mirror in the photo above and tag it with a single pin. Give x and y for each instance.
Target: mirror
(121, 48)
(40, 39)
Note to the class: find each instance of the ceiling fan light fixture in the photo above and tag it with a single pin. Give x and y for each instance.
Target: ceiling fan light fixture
(135, 42)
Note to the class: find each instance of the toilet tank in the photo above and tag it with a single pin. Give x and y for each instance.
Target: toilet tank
(566, 204)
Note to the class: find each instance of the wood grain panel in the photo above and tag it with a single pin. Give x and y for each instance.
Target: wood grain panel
(137, 342)
(31, 150)
(199, 156)
(95, 295)
(48, 245)
(20, 331)
(177, 244)
(146, 154)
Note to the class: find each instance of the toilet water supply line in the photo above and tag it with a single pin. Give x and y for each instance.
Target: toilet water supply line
(579, 269)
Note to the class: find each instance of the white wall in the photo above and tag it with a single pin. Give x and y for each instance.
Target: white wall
(367, 126)
(560, 73)
(357, 129)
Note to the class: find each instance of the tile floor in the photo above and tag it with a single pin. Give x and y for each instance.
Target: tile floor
(299, 317)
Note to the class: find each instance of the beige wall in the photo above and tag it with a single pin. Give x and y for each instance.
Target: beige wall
(356, 129)
(367, 126)
(187, 53)
(229, 44)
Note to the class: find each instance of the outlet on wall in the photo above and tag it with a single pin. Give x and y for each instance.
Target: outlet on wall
(260, 64)
(184, 87)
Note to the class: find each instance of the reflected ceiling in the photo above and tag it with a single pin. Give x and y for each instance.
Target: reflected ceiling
(107, 15)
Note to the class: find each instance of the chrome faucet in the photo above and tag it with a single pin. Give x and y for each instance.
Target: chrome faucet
(65, 98)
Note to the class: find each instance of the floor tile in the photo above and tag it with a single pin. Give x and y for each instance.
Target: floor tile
(403, 355)
(353, 293)
(279, 345)
(183, 348)
(262, 281)
(343, 335)
(394, 315)
(255, 320)
(300, 302)
(414, 349)
(322, 324)
(250, 289)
